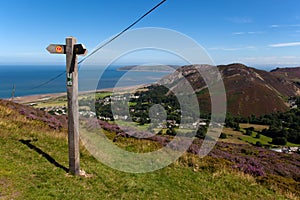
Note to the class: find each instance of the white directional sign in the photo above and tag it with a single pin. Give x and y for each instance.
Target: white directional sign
(79, 49)
(57, 48)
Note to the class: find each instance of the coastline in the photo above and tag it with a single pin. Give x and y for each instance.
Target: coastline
(36, 97)
(48, 96)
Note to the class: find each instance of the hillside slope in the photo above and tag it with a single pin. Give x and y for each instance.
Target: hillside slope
(33, 165)
(249, 91)
(34, 158)
(292, 74)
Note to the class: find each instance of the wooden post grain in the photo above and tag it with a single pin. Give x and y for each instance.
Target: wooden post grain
(72, 95)
(71, 49)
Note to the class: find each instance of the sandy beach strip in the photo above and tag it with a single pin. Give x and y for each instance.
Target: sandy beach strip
(46, 97)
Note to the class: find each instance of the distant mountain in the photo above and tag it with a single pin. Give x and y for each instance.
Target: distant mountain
(155, 68)
(292, 74)
(249, 90)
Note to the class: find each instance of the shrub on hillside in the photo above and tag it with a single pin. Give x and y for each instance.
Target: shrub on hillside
(279, 141)
(223, 136)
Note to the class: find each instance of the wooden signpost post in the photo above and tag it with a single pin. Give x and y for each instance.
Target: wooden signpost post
(71, 49)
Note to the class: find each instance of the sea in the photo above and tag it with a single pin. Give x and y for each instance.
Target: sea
(27, 80)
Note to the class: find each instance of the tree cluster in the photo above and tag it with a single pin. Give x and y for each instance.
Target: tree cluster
(284, 127)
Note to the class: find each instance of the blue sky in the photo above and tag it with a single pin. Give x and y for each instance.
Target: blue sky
(258, 33)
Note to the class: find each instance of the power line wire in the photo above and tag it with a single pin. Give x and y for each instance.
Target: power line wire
(106, 43)
(122, 32)
(49, 81)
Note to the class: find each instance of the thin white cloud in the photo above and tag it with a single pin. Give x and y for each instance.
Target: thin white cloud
(289, 44)
(284, 25)
(240, 20)
(274, 26)
(255, 32)
(239, 33)
(272, 60)
(295, 25)
(248, 33)
(231, 49)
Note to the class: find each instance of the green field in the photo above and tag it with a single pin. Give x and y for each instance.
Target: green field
(34, 161)
(252, 140)
(131, 124)
(264, 140)
(62, 100)
(238, 137)
(256, 127)
(232, 136)
(54, 103)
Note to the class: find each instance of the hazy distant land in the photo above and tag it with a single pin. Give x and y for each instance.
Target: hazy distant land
(152, 68)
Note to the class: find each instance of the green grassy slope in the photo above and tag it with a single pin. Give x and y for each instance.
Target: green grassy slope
(33, 165)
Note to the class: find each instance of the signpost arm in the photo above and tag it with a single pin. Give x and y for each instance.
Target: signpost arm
(73, 117)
